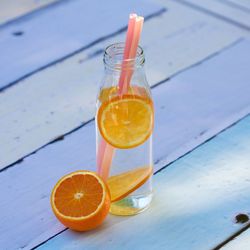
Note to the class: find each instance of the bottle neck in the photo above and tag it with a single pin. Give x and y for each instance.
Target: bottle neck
(114, 62)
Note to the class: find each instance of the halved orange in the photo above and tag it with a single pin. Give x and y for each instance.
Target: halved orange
(126, 121)
(123, 184)
(81, 200)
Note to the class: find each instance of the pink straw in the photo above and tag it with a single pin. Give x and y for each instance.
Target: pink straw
(132, 54)
(106, 151)
(128, 45)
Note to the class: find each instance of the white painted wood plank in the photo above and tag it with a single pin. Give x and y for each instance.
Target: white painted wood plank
(62, 97)
(242, 242)
(57, 31)
(229, 12)
(187, 114)
(244, 5)
(10, 9)
(196, 199)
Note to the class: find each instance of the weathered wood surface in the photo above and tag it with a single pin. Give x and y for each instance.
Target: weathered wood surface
(243, 5)
(60, 30)
(213, 95)
(236, 12)
(196, 200)
(242, 242)
(11, 9)
(179, 128)
(62, 97)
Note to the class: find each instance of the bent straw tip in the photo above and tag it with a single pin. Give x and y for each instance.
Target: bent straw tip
(132, 15)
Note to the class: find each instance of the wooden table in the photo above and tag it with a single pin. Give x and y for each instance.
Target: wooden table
(198, 65)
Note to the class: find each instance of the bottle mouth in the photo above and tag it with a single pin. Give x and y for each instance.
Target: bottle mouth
(113, 57)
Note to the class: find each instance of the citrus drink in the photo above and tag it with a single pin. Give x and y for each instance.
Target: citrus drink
(125, 123)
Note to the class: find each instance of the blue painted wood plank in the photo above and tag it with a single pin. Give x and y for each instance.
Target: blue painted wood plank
(46, 36)
(196, 200)
(224, 10)
(11, 9)
(241, 242)
(184, 119)
(53, 91)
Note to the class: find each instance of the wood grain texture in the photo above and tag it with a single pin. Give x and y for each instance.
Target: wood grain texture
(56, 32)
(223, 8)
(11, 9)
(243, 5)
(242, 242)
(187, 114)
(196, 199)
(62, 97)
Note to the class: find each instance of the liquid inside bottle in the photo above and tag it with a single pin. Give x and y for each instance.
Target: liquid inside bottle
(124, 125)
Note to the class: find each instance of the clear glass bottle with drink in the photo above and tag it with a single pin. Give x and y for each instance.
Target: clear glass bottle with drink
(124, 125)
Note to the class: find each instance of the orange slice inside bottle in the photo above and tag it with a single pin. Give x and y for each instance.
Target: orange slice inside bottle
(127, 121)
(110, 92)
(123, 184)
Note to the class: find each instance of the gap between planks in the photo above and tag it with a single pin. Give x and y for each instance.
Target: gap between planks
(240, 242)
(101, 39)
(70, 41)
(211, 164)
(232, 237)
(223, 243)
(81, 73)
(219, 16)
(236, 4)
(61, 137)
(41, 170)
(13, 12)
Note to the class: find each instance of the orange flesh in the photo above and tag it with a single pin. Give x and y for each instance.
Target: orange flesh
(78, 196)
(123, 184)
(127, 121)
(111, 92)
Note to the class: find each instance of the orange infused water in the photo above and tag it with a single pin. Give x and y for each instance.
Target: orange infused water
(124, 126)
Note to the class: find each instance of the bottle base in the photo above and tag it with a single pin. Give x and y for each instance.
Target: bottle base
(131, 205)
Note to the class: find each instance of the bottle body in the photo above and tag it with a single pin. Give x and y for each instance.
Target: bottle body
(124, 125)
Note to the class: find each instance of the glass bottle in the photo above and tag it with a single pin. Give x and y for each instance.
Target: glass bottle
(124, 124)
